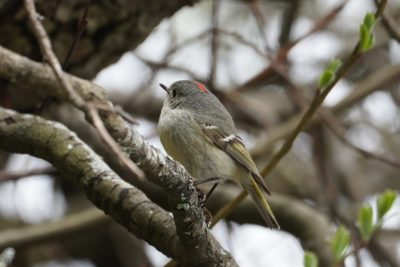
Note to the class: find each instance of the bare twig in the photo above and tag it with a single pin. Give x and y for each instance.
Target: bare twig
(106, 137)
(70, 224)
(187, 42)
(125, 115)
(165, 65)
(389, 24)
(81, 28)
(11, 176)
(228, 208)
(340, 132)
(289, 17)
(237, 37)
(89, 108)
(257, 13)
(214, 42)
(321, 158)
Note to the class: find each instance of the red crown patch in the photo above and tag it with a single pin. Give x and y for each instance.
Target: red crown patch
(201, 87)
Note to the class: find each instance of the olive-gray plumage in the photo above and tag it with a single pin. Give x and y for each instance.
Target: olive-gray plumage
(197, 130)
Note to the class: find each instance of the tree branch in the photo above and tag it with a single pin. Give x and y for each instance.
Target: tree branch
(9, 176)
(126, 204)
(23, 236)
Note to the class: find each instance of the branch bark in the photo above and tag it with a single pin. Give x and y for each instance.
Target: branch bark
(126, 204)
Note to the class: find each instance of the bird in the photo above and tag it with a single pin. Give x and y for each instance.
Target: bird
(196, 130)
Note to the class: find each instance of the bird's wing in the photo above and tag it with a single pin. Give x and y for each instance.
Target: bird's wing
(233, 146)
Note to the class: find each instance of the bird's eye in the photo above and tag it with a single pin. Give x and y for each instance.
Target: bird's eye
(173, 93)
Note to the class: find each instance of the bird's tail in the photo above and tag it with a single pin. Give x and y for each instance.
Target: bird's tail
(260, 201)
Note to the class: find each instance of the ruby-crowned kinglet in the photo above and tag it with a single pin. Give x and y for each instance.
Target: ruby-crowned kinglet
(197, 130)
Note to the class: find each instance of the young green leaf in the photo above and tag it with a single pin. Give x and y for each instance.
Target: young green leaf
(385, 202)
(310, 259)
(334, 65)
(326, 79)
(369, 21)
(329, 73)
(370, 42)
(340, 243)
(364, 38)
(365, 222)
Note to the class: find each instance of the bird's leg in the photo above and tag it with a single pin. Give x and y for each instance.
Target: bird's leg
(211, 190)
(207, 180)
(203, 198)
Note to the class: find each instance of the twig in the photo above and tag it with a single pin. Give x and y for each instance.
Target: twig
(259, 18)
(227, 209)
(10, 176)
(164, 65)
(356, 248)
(278, 64)
(242, 40)
(81, 28)
(321, 159)
(340, 132)
(125, 115)
(106, 137)
(89, 108)
(214, 43)
(379, 248)
(389, 24)
(34, 234)
(289, 17)
(188, 41)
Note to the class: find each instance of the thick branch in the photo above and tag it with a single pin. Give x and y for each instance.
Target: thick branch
(126, 204)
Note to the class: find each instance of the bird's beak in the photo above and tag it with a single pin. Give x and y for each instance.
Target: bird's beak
(164, 87)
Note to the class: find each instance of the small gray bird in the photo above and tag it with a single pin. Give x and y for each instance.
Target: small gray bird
(197, 130)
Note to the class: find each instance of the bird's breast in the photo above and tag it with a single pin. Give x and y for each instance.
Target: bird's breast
(184, 140)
